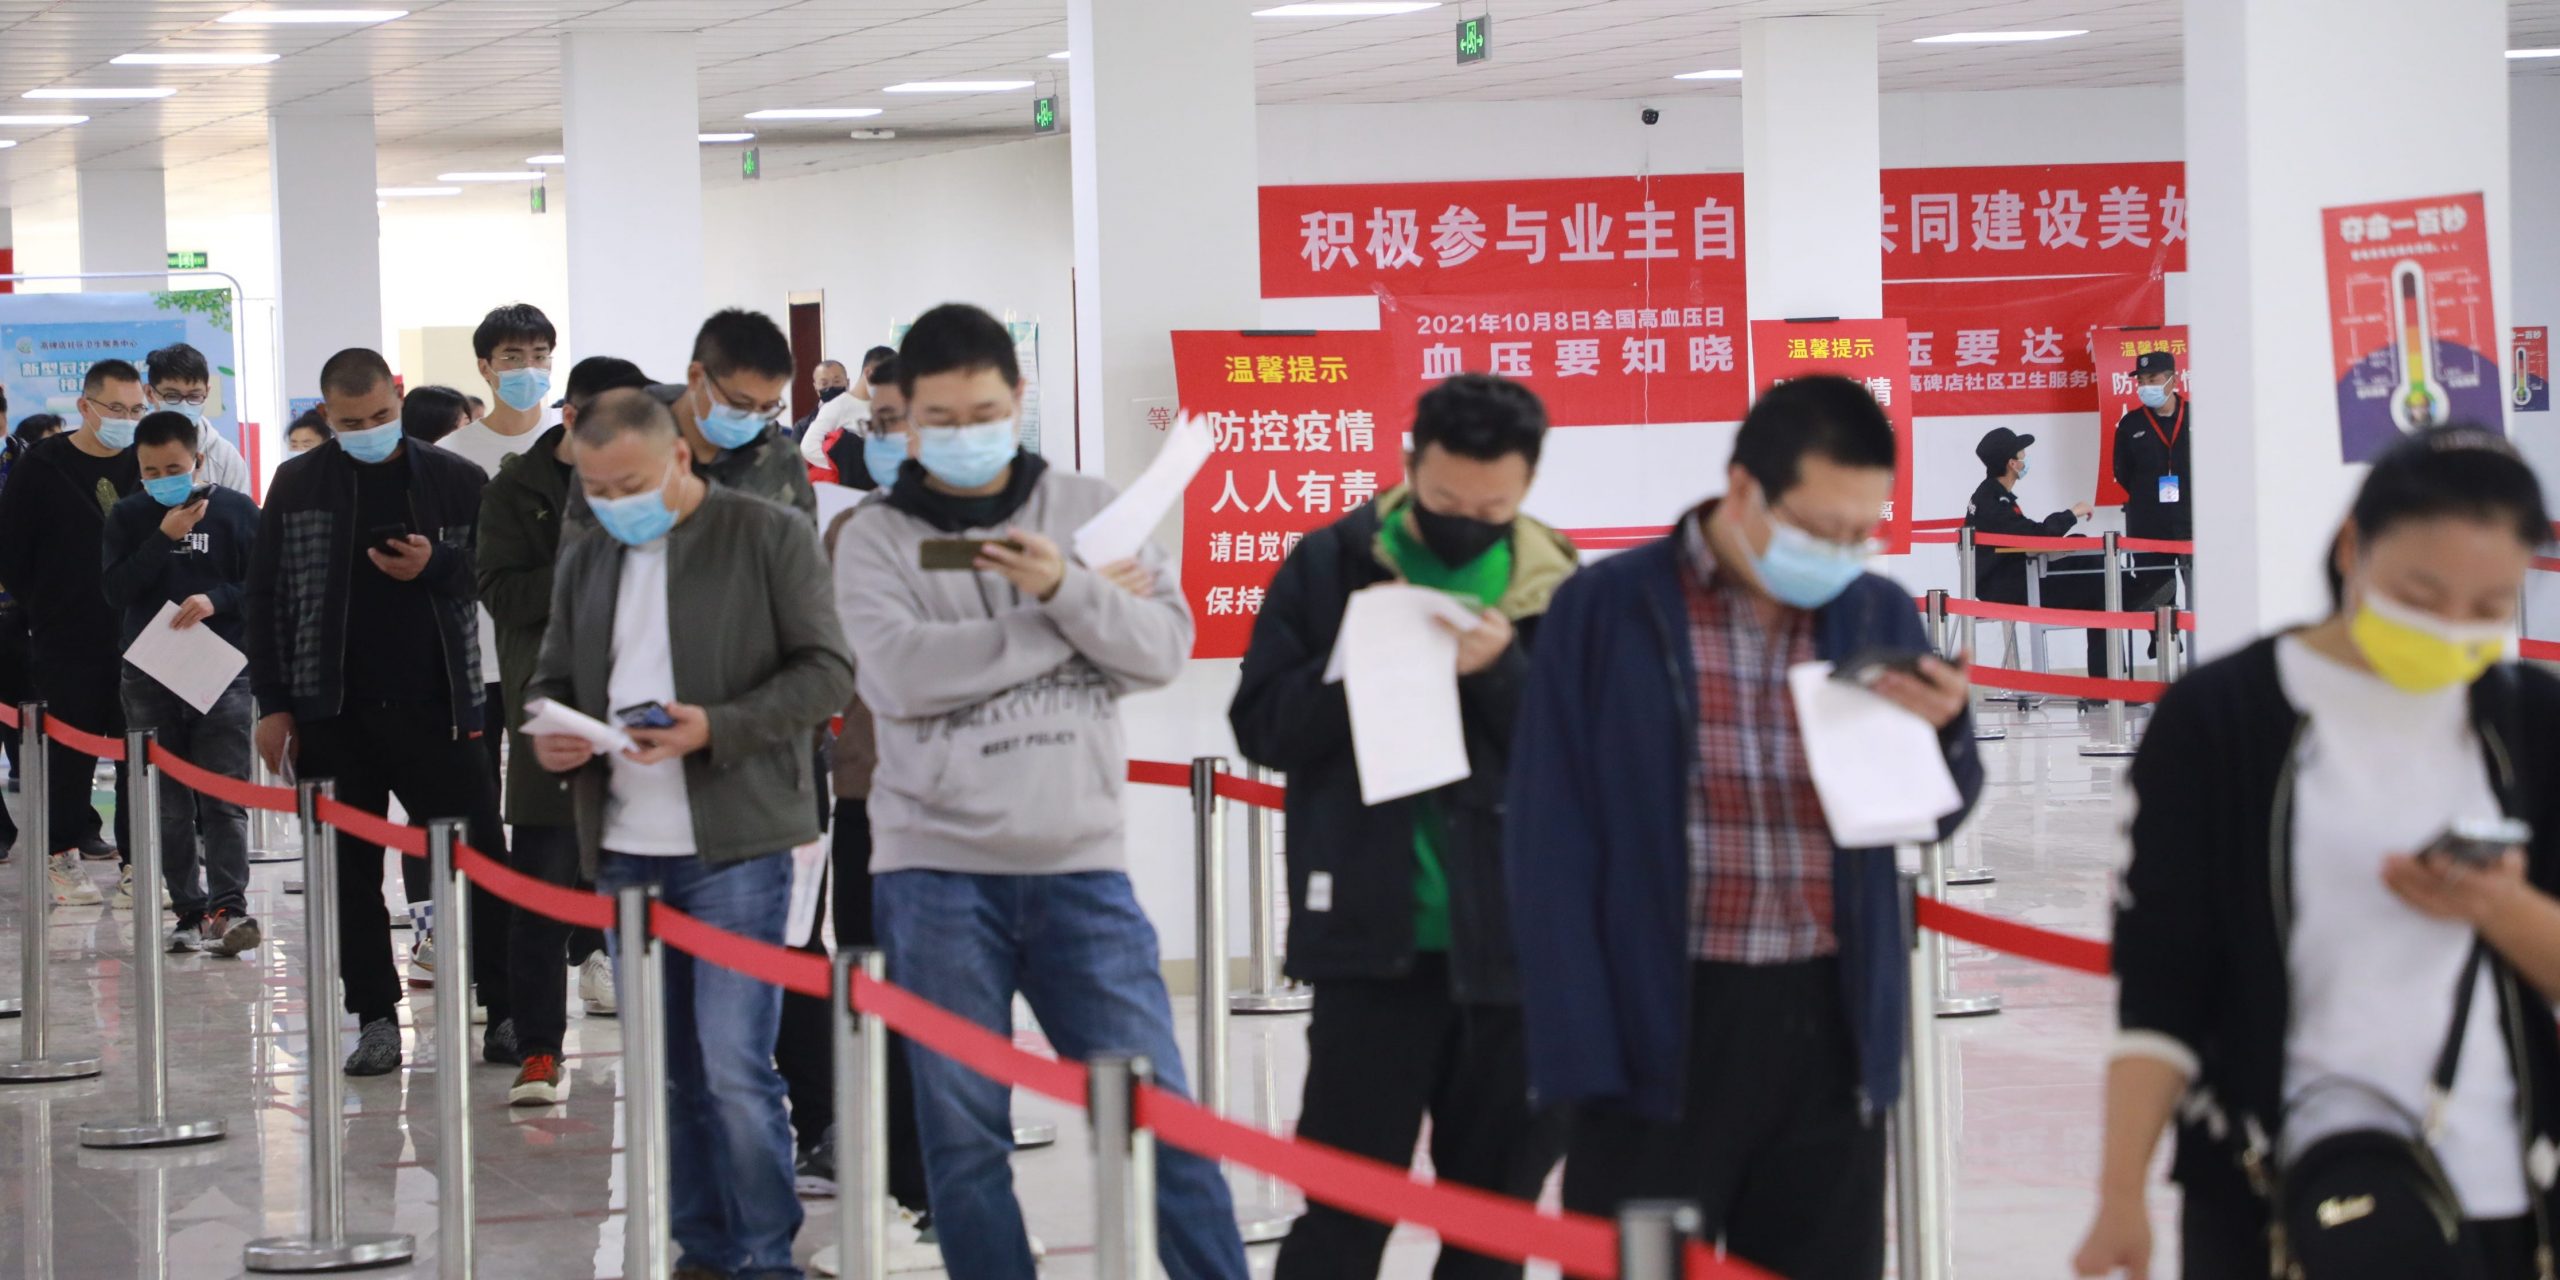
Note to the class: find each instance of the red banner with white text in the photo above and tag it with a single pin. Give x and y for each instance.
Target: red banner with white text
(1591, 362)
(2034, 220)
(2013, 346)
(1873, 352)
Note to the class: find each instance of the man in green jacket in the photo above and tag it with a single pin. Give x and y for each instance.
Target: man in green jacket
(520, 518)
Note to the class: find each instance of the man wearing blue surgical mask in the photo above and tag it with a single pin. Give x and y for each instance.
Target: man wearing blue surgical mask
(727, 412)
(1714, 986)
(181, 381)
(513, 346)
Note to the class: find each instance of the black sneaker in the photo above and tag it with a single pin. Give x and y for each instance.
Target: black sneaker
(814, 1177)
(498, 1044)
(94, 848)
(377, 1048)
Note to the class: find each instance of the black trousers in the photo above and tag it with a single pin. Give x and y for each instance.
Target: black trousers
(376, 751)
(1769, 1143)
(88, 697)
(537, 945)
(1382, 1053)
(2076, 585)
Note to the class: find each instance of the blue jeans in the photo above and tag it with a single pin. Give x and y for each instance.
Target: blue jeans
(1079, 949)
(730, 1145)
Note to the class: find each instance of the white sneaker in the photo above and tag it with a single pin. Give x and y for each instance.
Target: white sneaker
(595, 986)
(422, 961)
(911, 1249)
(71, 886)
(123, 901)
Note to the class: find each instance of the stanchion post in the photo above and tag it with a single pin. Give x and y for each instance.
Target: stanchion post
(1209, 844)
(1919, 1194)
(2164, 640)
(1124, 1170)
(861, 1044)
(264, 823)
(328, 1247)
(2116, 743)
(1653, 1236)
(33, 1066)
(154, 1128)
(1933, 949)
(1965, 629)
(1937, 624)
(644, 1088)
(455, 1216)
(1267, 992)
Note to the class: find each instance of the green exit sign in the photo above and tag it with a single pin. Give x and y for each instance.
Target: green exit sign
(751, 163)
(192, 260)
(1044, 115)
(1475, 39)
(541, 198)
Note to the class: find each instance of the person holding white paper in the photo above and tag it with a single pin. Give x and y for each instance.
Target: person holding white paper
(1718, 987)
(1396, 910)
(184, 544)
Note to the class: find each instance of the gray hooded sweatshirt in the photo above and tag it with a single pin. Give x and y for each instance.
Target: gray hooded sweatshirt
(1001, 751)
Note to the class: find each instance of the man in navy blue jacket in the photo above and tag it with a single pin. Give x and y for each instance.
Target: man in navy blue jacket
(1713, 986)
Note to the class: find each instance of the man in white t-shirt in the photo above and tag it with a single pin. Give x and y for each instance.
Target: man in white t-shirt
(179, 379)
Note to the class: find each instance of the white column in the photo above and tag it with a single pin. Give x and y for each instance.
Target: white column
(1162, 142)
(2282, 121)
(630, 118)
(328, 244)
(1812, 217)
(124, 226)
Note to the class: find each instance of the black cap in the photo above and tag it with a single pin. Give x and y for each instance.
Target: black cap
(2000, 445)
(2154, 362)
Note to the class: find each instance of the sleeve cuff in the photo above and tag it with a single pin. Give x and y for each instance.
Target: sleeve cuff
(2159, 1046)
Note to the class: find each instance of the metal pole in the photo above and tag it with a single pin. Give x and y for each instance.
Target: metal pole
(644, 1089)
(862, 1123)
(1267, 992)
(455, 1213)
(151, 1053)
(1652, 1237)
(1982, 731)
(1938, 637)
(1919, 1130)
(265, 845)
(2164, 637)
(329, 1246)
(1124, 1170)
(32, 1066)
(2115, 743)
(1933, 949)
(1209, 843)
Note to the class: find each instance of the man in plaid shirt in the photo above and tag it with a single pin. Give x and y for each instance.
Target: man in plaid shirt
(1716, 988)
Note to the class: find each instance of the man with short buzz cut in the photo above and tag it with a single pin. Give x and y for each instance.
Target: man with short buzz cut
(715, 794)
(830, 379)
(52, 521)
(361, 598)
(180, 379)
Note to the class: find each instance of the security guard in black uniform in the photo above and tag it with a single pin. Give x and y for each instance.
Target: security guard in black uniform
(2150, 461)
(2071, 582)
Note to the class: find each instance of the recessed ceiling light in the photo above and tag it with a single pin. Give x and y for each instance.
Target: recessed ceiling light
(397, 193)
(957, 86)
(43, 120)
(1997, 37)
(311, 17)
(723, 137)
(1712, 73)
(814, 113)
(135, 92)
(193, 59)
(872, 135)
(1347, 9)
(2533, 53)
(554, 158)
(509, 175)
(1060, 56)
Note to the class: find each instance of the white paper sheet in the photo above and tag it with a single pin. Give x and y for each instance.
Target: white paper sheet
(1877, 767)
(1119, 530)
(1399, 671)
(808, 873)
(194, 664)
(542, 715)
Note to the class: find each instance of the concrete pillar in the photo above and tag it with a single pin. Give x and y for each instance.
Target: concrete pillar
(328, 243)
(1162, 145)
(124, 226)
(2282, 121)
(1811, 152)
(630, 118)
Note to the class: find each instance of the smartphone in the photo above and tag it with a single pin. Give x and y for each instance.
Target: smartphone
(1868, 665)
(2480, 843)
(958, 553)
(383, 535)
(200, 493)
(647, 715)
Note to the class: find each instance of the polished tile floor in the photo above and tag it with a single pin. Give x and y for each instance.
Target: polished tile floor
(2021, 1090)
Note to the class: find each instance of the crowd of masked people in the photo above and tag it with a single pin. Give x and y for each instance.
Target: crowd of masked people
(1626, 942)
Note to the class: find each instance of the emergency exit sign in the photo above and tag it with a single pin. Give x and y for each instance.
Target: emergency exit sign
(1044, 115)
(189, 260)
(751, 163)
(1475, 39)
(541, 198)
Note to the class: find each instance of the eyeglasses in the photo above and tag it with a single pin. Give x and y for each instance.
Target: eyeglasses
(1856, 542)
(110, 409)
(766, 412)
(509, 361)
(169, 397)
(885, 423)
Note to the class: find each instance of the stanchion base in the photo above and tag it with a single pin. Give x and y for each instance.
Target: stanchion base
(8, 1008)
(1967, 1006)
(261, 859)
(1982, 734)
(1262, 1230)
(1038, 1133)
(2110, 750)
(1969, 875)
(45, 1070)
(1272, 1002)
(293, 886)
(293, 1253)
(173, 1133)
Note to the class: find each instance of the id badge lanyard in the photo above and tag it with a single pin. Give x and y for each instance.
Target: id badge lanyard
(2170, 489)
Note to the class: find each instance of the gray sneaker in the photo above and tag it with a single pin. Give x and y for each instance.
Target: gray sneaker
(377, 1048)
(498, 1045)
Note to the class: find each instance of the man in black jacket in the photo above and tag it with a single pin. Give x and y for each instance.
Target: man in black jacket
(1397, 912)
(2150, 459)
(2000, 574)
(364, 658)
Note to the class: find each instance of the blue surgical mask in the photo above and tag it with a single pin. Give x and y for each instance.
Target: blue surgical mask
(372, 444)
(170, 491)
(2022, 468)
(636, 520)
(118, 432)
(522, 389)
(2152, 397)
(726, 427)
(970, 456)
(188, 410)
(882, 456)
(1804, 571)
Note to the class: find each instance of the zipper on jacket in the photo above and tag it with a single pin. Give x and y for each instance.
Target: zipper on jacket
(346, 596)
(1684, 696)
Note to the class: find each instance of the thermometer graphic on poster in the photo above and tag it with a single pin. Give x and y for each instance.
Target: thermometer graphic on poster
(2414, 335)
(2419, 401)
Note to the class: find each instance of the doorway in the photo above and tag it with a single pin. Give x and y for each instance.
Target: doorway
(808, 337)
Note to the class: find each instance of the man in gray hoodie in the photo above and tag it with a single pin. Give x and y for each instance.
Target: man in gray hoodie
(997, 835)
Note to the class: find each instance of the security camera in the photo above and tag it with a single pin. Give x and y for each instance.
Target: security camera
(1651, 116)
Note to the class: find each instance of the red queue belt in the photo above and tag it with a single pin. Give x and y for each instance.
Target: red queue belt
(2029, 542)
(2094, 619)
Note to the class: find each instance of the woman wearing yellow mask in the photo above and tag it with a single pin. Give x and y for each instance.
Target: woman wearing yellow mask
(2354, 1034)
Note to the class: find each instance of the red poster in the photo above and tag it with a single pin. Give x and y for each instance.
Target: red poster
(1875, 352)
(2532, 374)
(2013, 346)
(2034, 220)
(1594, 359)
(2413, 327)
(1310, 425)
(2115, 351)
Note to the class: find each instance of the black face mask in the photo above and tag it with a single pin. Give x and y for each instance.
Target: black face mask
(1457, 540)
(829, 393)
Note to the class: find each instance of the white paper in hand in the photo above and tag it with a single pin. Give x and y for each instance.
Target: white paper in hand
(808, 872)
(1399, 671)
(1877, 767)
(1118, 531)
(542, 715)
(194, 664)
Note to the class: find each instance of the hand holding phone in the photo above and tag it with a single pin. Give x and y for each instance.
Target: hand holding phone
(1867, 666)
(2479, 843)
(646, 715)
(957, 554)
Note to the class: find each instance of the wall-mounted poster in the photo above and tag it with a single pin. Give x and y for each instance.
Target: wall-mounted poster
(2413, 328)
(49, 340)
(2531, 375)
(1876, 353)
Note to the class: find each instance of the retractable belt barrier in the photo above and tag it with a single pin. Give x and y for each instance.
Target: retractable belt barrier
(2092, 619)
(1939, 532)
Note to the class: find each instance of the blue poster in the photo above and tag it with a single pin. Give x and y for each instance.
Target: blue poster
(49, 340)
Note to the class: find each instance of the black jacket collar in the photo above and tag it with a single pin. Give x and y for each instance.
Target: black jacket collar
(953, 514)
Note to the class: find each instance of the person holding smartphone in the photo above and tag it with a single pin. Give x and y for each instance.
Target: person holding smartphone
(2346, 1015)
